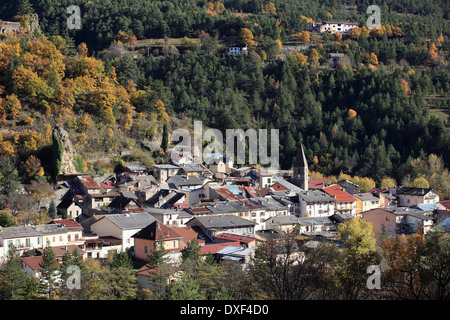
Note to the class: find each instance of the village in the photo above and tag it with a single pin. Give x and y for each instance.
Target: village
(229, 211)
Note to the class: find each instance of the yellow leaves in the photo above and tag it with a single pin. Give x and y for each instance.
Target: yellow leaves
(28, 121)
(432, 51)
(82, 49)
(405, 86)
(278, 42)
(215, 8)
(247, 37)
(355, 33)
(161, 112)
(12, 107)
(420, 182)
(299, 58)
(313, 57)
(309, 20)
(351, 114)
(269, 8)
(373, 59)
(304, 36)
(338, 36)
(33, 167)
(125, 37)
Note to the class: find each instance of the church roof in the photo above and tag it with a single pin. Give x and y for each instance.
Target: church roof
(300, 160)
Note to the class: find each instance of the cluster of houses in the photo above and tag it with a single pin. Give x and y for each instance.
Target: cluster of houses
(228, 210)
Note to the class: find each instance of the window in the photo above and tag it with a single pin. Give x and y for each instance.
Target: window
(387, 218)
(145, 249)
(390, 228)
(27, 242)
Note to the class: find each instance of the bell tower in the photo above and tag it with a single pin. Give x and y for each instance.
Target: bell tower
(300, 175)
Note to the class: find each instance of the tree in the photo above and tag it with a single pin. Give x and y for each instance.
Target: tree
(373, 59)
(121, 259)
(165, 138)
(420, 183)
(39, 191)
(313, 58)
(357, 236)
(304, 36)
(57, 152)
(13, 280)
(24, 8)
(432, 51)
(191, 251)
(387, 183)
(49, 271)
(9, 177)
(247, 37)
(52, 210)
(188, 288)
(417, 267)
(7, 219)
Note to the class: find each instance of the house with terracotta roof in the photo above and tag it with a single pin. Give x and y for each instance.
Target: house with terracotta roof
(75, 230)
(87, 185)
(345, 202)
(32, 266)
(145, 241)
(248, 242)
(316, 184)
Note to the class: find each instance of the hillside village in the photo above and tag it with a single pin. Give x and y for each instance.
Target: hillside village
(230, 211)
(116, 102)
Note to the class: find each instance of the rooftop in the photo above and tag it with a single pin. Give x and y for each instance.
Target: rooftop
(224, 221)
(129, 220)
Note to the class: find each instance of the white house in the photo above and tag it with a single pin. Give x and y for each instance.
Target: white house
(122, 226)
(238, 49)
(25, 238)
(316, 203)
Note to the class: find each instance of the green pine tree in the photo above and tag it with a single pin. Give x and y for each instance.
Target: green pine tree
(13, 280)
(165, 138)
(52, 210)
(49, 269)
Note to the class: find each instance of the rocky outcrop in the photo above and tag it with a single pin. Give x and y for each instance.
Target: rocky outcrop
(67, 166)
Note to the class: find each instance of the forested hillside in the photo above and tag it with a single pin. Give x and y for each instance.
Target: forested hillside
(382, 112)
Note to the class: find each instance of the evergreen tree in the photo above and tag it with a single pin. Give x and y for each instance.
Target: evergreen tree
(24, 8)
(52, 210)
(57, 152)
(165, 138)
(49, 271)
(13, 280)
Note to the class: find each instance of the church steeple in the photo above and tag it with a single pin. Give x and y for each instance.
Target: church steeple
(300, 175)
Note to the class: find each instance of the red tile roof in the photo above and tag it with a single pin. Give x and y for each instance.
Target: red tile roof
(70, 224)
(445, 204)
(277, 187)
(214, 248)
(235, 237)
(88, 182)
(188, 234)
(316, 184)
(339, 194)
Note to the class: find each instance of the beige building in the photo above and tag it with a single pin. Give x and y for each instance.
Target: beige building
(365, 202)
